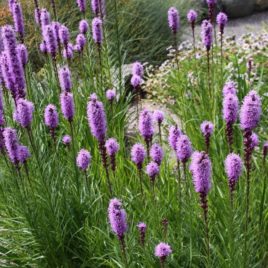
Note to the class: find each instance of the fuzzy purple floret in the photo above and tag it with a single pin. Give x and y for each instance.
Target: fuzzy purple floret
(23, 53)
(51, 116)
(6, 73)
(66, 139)
(83, 26)
(201, 172)
(138, 154)
(146, 127)
(37, 15)
(81, 40)
(222, 20)
(112, 146)
(174, 134)
(152, 170)
(173, 19)
(43, 47)
(162, 250)
(136, 81)
(230, 108)
(229, 88)
(25, 110)
(157, 153)
(67, 52)
(117, 218)
(44, 17)
(50, 39)
(18, 18)
(207, 128)
(207, 34)
(158, 116)
(64, 35)
(97, 30)
(254, 140)
(23, 154)
(183, 148)
(65, 79)
(142, 227)
(82, 5)
(98, 7)
(191, 16)
(96, 118)
(67, 105)
(11, 144)
(110, 94)
(137, 69)
(250, 112)
(233, 166)
(83, 159)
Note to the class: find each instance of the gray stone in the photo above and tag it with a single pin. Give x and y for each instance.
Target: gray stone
(261, 5)
(238, 8)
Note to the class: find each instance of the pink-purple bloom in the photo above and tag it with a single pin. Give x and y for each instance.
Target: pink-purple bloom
(137, 69)
(23, 154)
(192, 16)
(157, 153)
(44, 17)
(67, 52)
(250, 111)
(142, 227)
(174, 134)
(65, 79)
(207, 34)
(64, 35)
(136, 81)
(50, 39)
(51, 116)
(183, 148)
(81, 41)
(82, 5)
(11, 144)
(83, 26)
(230, 108)
(24, 111)
(222, 21)
(98, 7)
(67, 105)
(207, 128)
(152, 170)
(138, 154)
(18, 18)
(173, 19)
(97, 31)
(110, 94)
(162, 251)
(66, 139)
(112, 146)
(254, 140)
(83, 159)
(158, 116)
(23, 53)
(229, 88)
(146, 127)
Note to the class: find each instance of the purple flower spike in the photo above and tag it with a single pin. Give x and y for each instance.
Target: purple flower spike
(112, 147)
(81, 41)
(110, 94)
(83, 26)
(44, 17)
(64, 35)
(152, 170)
(66, 140)
(174, 134)
(136, 81)
(157, 153)
(51, 116)
(250, 111)
(230, 108)
(158, 116)
(117, 218)
(67, 105)
(138, 155)
(184, 148)
(37, 15)
(191, 17)
(65, 79)
(207, 129)
(96, 118)
(222, 21)
(25, 110)
(201, 172)
(83, 159)
(146, 125)
(10, 5)
(233, 169)
(162, 251)
(98, 7)
(173, 19)
(82, 5)
(11, 144)
(6, 74)
(23, 53)
(206, 34)
(23, 154)
(97, 31)
(254, 140)
(137, 69)
(50, 39)
(18, 19)
(142, 227)
(229, 88)
(68, 52)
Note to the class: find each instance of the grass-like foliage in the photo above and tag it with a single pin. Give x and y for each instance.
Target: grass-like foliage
(115, 204)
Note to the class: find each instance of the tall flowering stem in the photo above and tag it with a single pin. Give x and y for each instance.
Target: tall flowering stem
(207, 129)
(191, 17)
(142, 227)
(159, 118)
(162, 251)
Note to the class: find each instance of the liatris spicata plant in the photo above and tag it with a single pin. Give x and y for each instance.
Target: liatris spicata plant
(64, 35)
(162, 251)
(142, 227)
(11, 144)
(97, 31)
(56, 26)
(136, 82)
(98, 7)
(191, 17)
(222, 21)
(23, 54)
(137, 69)
(10, 4)
(233, 169)
(229, 88)
(68, 52)
(157, 154)
(50, 39)
(138, 155)
(83, 159)
(146, 128)
(67, 105)
(174, 134)
(201, 172)
(110, 95)
(81, 41)
(83, 26)
(211, 9)
(24, 113)
(65, 79)
(66, 140)
(118, 221)
(152, 170)
(23, 154)
(98, 125)
(37, 13)
(159, 117)
(183, 149)
(18, 19)
(250, 114)
(112, 147)
(230, 114)
(254, 141)
(51, 119)
(207, 129)
(44, 18)
(82, 5)
(174, 24)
